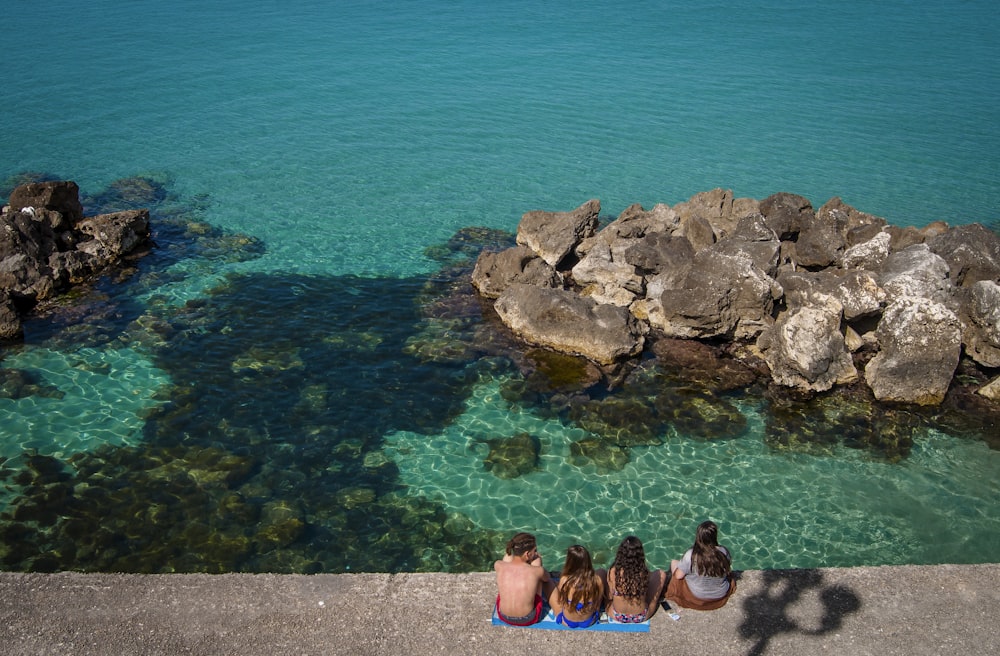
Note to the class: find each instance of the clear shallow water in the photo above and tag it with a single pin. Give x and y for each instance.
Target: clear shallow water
(347, 140)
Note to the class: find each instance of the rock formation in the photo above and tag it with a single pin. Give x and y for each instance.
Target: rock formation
(46, 246)
(824, 297)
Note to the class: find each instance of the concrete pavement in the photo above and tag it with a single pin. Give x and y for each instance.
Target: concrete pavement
(881, 611)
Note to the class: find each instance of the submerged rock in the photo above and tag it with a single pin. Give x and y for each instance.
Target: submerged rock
(510, 457)
(606, 455)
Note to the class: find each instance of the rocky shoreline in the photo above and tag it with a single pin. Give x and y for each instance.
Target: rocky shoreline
(47, 246)
(816, 298)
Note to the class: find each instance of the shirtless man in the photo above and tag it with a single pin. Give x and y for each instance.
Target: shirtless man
(521, 582)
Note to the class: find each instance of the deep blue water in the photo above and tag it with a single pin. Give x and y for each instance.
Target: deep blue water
(267, 391)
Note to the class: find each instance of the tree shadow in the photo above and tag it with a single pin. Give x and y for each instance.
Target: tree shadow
(767, 612)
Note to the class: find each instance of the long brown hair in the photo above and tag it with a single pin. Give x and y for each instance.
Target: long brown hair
(578, 582)
(631, 573)
(706, 557)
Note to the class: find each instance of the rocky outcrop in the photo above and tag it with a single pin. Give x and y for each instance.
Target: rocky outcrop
(824, 297)
(46, 245)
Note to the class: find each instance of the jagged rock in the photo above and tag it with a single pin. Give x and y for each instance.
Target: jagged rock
(916, 271)
(991, 390)
(722, 295)
(753, 227)
(971, 251)
(857, 291)
(634, 223)
(787, 214)
(820, 242)
(982, 324)
(859, 294)
(554, 235)
(854, 225)
(766, 255)
(920, 342)
(114, 235)
(10, 319)
(607, 277)
(805, 348)
(715, 209)
(868, 254)
(567, 322)
(494, 272)
(661, 255)
(61, 196)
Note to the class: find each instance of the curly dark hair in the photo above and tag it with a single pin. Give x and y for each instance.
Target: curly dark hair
(631, 572)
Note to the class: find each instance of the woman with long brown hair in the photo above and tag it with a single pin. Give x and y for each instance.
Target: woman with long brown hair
(579, 595)
(634, 591)
(703, 578)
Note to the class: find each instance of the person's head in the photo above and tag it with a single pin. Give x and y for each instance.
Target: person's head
(521, 544)
(707, 534)
(631, 573)
(578, 584)
(577, 561)
(706, 557)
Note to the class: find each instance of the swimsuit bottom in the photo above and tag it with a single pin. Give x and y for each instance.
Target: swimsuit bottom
(628, 618)
(560, 618)
(530, 618)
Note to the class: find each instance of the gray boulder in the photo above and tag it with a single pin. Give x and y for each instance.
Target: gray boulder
(554, 235)
(982, 323)
(567, 322)
(605, 274)
(916, 271)
(971, 251)
(820, 242)
(805, 348)
(857, 291)
(869, 254)
(722, 295)
(636, 222)
(920, 345)
(494, 272)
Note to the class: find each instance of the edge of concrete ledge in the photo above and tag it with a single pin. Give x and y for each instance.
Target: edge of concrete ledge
(880, 611)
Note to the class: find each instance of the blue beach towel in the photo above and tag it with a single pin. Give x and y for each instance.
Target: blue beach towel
(549, 622)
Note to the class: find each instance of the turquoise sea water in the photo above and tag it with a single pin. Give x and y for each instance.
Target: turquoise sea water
(278, 390)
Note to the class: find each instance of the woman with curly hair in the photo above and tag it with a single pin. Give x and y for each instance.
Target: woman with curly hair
(579, 595)
(634, 591)
(703, 578)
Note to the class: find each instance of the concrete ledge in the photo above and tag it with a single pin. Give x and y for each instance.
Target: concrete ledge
(867, 610)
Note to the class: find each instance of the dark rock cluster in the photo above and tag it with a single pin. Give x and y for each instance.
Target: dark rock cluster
(47, 246)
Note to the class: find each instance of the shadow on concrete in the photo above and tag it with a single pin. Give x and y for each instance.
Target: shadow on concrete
(769, 612)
